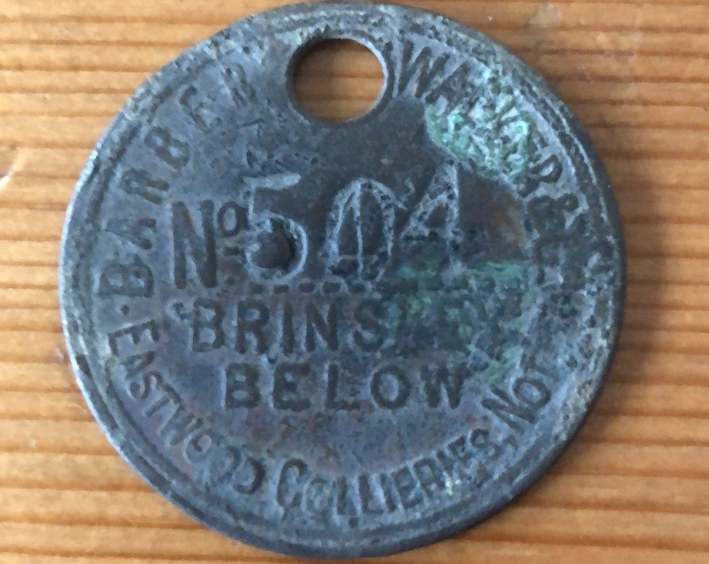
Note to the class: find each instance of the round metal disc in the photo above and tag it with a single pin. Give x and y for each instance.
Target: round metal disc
(342, 339)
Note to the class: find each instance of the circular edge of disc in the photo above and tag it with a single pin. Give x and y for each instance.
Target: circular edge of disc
(158, 482)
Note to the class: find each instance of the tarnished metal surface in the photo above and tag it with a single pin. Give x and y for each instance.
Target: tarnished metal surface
(342, 339)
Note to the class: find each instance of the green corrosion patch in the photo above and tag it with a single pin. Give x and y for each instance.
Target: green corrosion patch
(492, 131)
(477, 312)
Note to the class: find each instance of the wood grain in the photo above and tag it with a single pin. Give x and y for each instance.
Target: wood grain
(633, 487)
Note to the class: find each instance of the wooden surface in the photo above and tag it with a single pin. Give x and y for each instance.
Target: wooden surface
(634, 486)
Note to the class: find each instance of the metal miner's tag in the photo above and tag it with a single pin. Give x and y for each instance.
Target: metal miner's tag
(342, 339)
